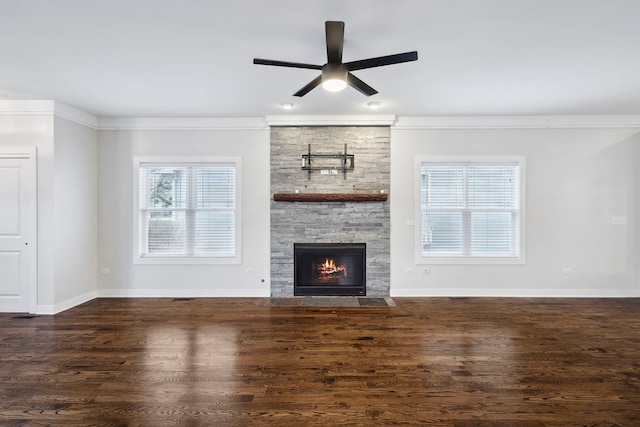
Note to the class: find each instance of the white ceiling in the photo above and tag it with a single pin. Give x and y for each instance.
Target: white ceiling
(193, 58)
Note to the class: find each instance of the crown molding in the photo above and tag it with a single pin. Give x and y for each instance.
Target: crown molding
(518, 122)
(25, 107)
(181, 123)
(386, 120)
(61, 110)
(72, 114)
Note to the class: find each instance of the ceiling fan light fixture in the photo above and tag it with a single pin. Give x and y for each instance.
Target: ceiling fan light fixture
(334, 77)
(334, 85)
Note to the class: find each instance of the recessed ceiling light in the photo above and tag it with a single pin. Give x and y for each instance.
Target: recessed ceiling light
(374, 105)
(287, 105)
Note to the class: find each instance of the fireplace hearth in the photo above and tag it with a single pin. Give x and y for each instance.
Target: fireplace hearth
(329, 269)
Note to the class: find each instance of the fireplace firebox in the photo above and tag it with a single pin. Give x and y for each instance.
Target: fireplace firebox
(329, 269)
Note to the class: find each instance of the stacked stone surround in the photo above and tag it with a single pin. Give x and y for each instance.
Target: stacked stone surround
(320, 222)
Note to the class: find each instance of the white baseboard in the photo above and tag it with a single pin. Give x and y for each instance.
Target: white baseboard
(45, 309)
(179, 293)
(515, 293)
(65, 305)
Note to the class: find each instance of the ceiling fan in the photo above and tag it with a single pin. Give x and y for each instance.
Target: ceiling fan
(336, 75)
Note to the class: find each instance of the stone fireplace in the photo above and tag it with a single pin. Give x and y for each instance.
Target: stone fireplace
(330, 220)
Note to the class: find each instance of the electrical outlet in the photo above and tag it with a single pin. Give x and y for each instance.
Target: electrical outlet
(426, 270)
(105, 270)
(408, 270)
(567, 270)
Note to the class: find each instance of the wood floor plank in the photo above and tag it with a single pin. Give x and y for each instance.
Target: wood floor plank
(453, 362)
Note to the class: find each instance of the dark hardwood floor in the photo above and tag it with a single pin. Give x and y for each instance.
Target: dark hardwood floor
(243, 362)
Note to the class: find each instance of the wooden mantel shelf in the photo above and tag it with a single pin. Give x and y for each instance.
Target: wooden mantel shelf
(330, 197)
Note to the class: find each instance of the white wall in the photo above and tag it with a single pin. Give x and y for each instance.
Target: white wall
(635, 160)
(116, 151)
(75, 213)
(67, 225)
(577, 180)
(22, 125)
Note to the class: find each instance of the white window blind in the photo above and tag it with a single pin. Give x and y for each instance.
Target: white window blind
(470, 209)
(187, 210)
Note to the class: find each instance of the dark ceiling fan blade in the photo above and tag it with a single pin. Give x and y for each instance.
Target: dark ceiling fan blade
(335, 40)
(360, 86)
(312, 84)
(382, 60)
(286, 64)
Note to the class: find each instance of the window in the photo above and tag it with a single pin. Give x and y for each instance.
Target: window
(471, 210)
(187, 212)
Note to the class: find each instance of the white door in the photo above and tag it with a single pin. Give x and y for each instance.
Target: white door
(18, 264)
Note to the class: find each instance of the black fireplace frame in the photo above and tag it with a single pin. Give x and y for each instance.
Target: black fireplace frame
(328, 290)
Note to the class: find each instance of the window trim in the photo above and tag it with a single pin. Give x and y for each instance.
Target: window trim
(138, 232)
(466, 260)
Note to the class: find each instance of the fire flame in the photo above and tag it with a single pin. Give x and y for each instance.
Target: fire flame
(329, 267)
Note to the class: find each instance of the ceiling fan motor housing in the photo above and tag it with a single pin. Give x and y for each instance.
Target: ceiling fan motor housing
(334, 73)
